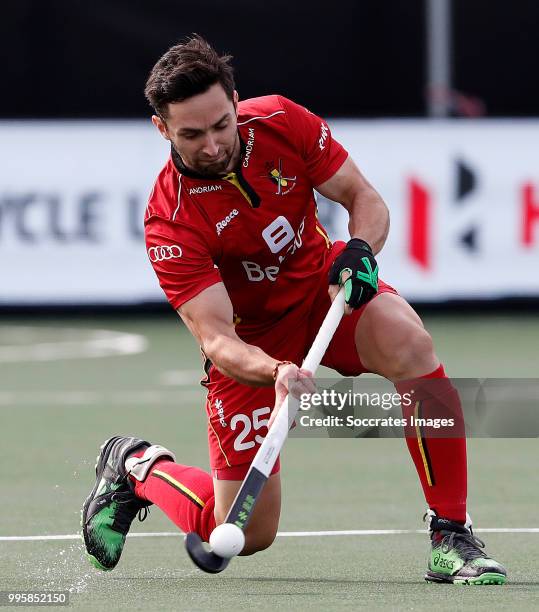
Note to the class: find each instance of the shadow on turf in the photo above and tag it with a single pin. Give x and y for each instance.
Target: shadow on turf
(261, 579)
(321, 580)
(243, 579)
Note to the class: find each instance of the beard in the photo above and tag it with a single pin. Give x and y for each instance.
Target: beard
(213, 168)
(210, 169)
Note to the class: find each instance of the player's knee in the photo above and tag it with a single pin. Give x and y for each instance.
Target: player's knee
(258, 536)
(255, 542)
(412, 354)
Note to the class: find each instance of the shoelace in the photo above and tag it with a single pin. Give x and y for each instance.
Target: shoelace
(127, 498)
(468, 544)
(143, 512)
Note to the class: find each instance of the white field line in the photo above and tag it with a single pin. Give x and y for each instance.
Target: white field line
(181, 378)
(71, 343)
(282, 534)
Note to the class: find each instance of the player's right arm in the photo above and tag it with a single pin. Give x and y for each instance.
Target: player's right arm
(209, 317)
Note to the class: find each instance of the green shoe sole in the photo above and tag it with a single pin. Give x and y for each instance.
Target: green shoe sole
(486, 578)
(96, 563)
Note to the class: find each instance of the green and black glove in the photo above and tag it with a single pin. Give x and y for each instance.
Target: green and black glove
(358, 261)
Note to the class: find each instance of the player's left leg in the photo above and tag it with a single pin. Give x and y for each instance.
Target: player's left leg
(392, 341)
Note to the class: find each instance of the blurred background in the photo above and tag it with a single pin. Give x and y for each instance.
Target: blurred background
(436, 100)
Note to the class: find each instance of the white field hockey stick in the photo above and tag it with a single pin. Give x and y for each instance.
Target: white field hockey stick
(260, 470)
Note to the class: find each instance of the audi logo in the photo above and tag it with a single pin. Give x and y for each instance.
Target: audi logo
(162, 253)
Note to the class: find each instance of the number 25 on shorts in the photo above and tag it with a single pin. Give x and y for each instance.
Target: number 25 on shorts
(257, 422)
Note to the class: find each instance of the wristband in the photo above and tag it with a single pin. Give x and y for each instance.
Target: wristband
(277, 366)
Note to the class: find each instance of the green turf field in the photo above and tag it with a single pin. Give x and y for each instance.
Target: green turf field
(57, 406)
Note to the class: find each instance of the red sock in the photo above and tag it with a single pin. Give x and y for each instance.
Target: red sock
(184, 493)
(440, 462)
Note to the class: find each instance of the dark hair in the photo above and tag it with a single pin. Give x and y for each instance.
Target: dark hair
(185, 70)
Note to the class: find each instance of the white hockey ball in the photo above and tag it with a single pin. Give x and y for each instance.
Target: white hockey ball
(227, 540)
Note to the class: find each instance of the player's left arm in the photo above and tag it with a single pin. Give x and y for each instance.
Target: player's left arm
(356, 267)
(369, 216)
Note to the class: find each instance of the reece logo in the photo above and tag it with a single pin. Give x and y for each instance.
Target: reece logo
(222, 224)
(220, 412)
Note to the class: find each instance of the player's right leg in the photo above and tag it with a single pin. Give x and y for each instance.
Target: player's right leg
(112, 504)
(193, 499)
(131, 474)
(195, 502)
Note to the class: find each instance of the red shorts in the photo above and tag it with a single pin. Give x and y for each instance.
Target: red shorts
(238, 414)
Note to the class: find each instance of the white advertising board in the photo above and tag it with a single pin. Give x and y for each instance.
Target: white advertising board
(463, 198)
(72, 201)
